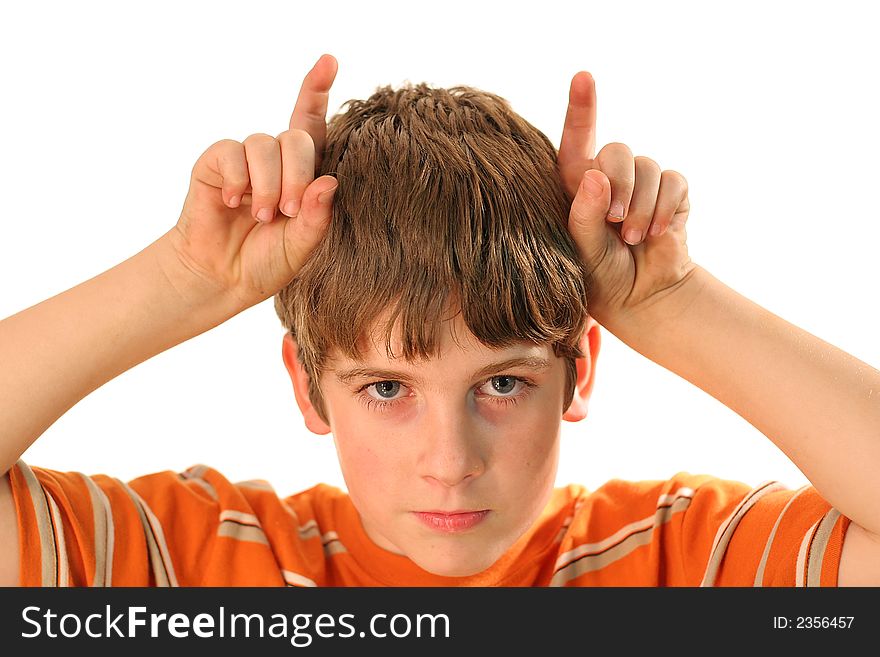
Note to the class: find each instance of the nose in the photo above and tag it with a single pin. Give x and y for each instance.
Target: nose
(452, 449)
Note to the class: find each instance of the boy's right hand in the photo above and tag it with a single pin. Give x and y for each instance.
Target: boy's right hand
(636, 253)
(254, 210)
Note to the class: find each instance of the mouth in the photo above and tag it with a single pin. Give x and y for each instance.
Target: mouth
(450, 522)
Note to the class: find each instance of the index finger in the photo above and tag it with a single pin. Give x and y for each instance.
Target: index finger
(578, 143)
(310, 111)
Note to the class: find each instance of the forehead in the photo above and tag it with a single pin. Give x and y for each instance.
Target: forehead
(459, 353)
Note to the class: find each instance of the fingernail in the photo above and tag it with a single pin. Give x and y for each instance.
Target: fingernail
(633, 236)
(327, 196)
(234, 201)
(291, 208)
(591, 186)
(655, 229)
(265, 215)
(616, 209)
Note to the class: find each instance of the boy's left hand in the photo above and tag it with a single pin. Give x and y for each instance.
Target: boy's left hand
(639, 255)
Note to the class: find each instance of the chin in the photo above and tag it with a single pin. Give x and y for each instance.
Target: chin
(457, 563)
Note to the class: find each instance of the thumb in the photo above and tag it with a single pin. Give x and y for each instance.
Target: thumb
(587, 218)
(303, 232)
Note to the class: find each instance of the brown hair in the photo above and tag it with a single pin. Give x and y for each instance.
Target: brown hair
(447, 200)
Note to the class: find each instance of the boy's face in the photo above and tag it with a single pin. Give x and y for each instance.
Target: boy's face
(460, 433)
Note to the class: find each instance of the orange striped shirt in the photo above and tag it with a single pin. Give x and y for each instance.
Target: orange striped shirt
(198, 529)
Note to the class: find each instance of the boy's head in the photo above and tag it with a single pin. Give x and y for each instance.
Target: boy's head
(447, 254)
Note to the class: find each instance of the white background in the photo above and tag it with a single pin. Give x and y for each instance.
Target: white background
(769, 111)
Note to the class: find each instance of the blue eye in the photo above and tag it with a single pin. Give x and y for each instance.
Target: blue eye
(499, 392)
(500, 387)
(387, 389)
(384, 397)
(508, 383)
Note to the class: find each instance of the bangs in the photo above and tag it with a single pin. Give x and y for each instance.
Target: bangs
(448, 202)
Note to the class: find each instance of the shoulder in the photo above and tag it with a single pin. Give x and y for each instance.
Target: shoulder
(204, 483)
(702, 530)
(244, 532)
(653, 532)
(194, 527)
(619, 499)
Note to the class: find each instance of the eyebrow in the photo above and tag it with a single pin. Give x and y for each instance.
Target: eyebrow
(534, 363)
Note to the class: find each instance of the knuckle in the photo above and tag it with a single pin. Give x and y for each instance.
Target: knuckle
(235, 176)
(235, 183)
(258, 139)
(297, 136)
(619, 147)
(219, 149)
(644, 162)
(673, 177)
(223, 147)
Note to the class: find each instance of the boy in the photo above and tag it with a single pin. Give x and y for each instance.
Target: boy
(456, 242)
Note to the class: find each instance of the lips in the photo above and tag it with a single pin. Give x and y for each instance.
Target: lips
(451, 521)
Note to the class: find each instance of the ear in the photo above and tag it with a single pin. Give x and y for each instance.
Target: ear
(300, 380)
(586, 372)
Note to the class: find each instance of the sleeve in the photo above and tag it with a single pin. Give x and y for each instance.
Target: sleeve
(699, 530)
(778, 537)
(78, 530)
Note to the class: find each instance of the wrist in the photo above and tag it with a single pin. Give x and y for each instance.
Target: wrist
(193, 290)
(656, 318)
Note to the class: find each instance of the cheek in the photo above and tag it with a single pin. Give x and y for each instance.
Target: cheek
(535, 452)
(368, 456)
(361, 457)
(532, 445)
(531, 467)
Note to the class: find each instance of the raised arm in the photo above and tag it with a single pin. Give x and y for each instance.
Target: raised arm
(219, 259)
(818, 404)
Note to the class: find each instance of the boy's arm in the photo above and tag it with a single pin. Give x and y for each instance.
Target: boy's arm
(229, 251)
(223, 256)
(814, 401)
(817, 403)
(58, 351)
(8, 536)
